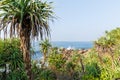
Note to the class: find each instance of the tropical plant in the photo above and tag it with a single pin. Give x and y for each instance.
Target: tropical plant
(11, 60)
(93, 69)
(26, 19)
(45, 47)
(108, 42)
(56, 61)
(66, 67)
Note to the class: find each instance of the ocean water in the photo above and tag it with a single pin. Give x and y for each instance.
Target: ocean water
(75, 45)
(60, 44)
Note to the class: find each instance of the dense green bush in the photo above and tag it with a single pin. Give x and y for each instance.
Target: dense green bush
(93, 69)
(41, 73)
(111, 38)
(55, 60)
(11, 55)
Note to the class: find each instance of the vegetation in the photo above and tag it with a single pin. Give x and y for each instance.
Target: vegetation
(44, 48)
(11, 61)
(26, 19)
(96, 64)
(102, 62)
(109, 42)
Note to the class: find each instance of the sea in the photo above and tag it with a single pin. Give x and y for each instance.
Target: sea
(61, 44)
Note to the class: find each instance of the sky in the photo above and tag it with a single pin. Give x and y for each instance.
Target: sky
(84, 20)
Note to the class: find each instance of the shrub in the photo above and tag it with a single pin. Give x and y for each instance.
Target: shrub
(93, 69)
(11, 55)
(40, 73)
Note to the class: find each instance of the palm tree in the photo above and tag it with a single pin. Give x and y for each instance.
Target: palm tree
(26, 19)
(45, 45)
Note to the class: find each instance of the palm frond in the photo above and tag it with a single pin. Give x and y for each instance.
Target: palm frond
(19, 12)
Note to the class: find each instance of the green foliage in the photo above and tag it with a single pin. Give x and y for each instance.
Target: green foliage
(15, 14)
(66, 65)
(56, 60)
(94, 65)
(61, 65)
(106, 74)
(42, 73)
(90, 66)
(45, 48)
(93, 69)
(24, 19)
(111, 38)
(11, 55)
(47, 75)
(17, 75)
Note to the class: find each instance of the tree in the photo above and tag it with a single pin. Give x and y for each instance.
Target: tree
(26, 19)
(45, 45)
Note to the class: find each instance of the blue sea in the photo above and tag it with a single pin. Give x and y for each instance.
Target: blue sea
(61, 44)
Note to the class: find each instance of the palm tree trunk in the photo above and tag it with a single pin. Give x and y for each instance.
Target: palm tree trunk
(25, 47)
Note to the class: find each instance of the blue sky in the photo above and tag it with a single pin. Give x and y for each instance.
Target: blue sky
(84, 20)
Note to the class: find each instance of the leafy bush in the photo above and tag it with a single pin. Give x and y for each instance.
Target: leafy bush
(11, 55)
(56, 61)
(40, 73)
(47, 75)
(92, 71)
